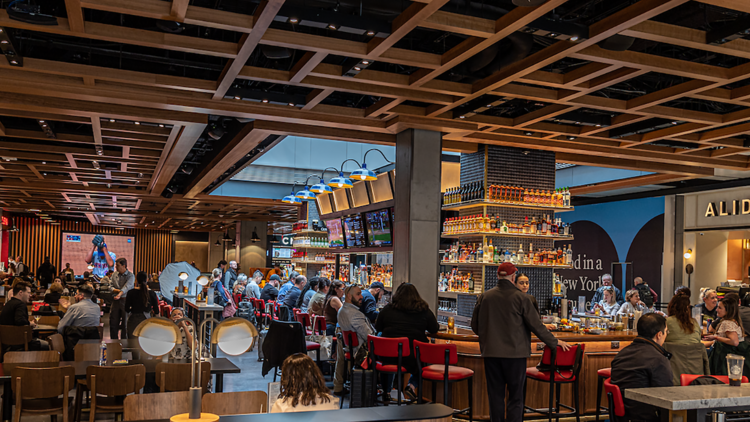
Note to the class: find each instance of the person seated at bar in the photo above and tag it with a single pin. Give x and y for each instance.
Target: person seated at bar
(729, 337)
(302, 387)
(522, 282)
(252, 288)
(683, 329)
(632, 303)
(270, 290)
(607, 282)
(370, 298)
(644, 363)
(711, 329)
(333, 302)
(290, 300)
(709, 302)
(84, 313)
(54, 294)
(16, 313)
(318, 300)
(647, 294)
(287, 286)
(683, 290)
(303, 301)
(350, 318)
(408, 315)
(608, 305)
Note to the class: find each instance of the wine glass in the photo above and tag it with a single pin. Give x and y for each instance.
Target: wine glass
(36, 318)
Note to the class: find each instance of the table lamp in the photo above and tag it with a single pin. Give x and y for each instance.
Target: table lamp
(157, 336)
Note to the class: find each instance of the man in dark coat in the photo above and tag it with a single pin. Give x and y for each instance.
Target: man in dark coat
(46, 273)
(644, 363)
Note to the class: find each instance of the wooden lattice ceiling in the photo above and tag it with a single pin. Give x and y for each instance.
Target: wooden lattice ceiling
(139, 161)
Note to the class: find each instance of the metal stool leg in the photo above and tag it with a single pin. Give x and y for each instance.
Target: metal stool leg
(599, 386)
(470, 380)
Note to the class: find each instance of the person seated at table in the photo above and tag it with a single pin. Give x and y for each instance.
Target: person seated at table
(290, 300)
(350, 318)
(303, 388)
(252, 288)
(16, 313)
(608, 305)
(522, 282)
(9, 291)
(317, 301)
(642, 364)
(632, 303)
(709, 302)
(729, 337)
(683, 290)
(83, 313)
(54, 293)
(307, 293)
(607, 282)
(141, 303)
(408, 315)
(711, 329)
(286, 287)
(332, 304)
(270, 290)
(683, 329)
(182, 351)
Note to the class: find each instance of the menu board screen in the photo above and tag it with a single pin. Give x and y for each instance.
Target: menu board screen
(335, 238)
(378, 228)
(354, 231)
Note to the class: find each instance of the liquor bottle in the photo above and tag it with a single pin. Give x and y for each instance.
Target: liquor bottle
(554, 228)
(504, 228)
(559, 259)
(493, 224)
(507, 255)
(496, 257)
(526, 226)
(544, 226)
(514, 258)
(539, 226)
(485, 251)
(480, 254)
(520, 255)
(569, 253)
(490, 252)
(566, 198)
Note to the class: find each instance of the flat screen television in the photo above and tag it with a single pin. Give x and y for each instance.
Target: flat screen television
(335, 236)
(354, 231)
(77, 251)
(378, 228)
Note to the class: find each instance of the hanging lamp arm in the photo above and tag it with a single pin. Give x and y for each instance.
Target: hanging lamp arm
(322, 174)
(308, 178)
(345, 161)
(364, 159)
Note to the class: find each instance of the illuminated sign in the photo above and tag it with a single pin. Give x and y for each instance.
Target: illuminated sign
(5, 221)
(72, 238)
(721, 208)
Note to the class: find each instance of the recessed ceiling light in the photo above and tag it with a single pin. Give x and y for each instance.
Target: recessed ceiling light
(574, 38)
(370, 33)
(13, 62)
(44, 162)
(291, 104)
(137, 123)
(674, 123)
(365, 62)
(357, 68)
(111, 120)
(41, 121)
(461, 117)
(598, 125)
(236, 98)
(528, 133)
(264, 100)
(3, 42)
(332, 26)
(571, 138)
(161, 125)
(293, 20)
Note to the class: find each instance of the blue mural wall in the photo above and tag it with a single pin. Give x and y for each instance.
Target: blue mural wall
(624, 231)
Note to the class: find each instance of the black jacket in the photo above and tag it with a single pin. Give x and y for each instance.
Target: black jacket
(397, 323)
(52, 298)
(46, 273)
(504, 318)
(282, 340)
(642, 364)
(269, 292)
(15, 313)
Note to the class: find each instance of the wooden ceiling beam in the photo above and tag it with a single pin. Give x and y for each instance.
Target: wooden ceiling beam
(404, 23)
(179, 9)
(630, 182)
(262, 19)
(75, 15)
(181, 146)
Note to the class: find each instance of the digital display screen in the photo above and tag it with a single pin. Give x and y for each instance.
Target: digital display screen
(335, 237)
(378, 228)
(354, 231)
(282, 252)
(79, 250)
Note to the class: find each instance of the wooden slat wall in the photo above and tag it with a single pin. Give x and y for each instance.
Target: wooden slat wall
(36, 239)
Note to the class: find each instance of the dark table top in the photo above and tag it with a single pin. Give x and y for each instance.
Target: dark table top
(218, 366)
(127, 344)
(365, 414)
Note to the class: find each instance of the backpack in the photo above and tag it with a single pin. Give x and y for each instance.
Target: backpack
(645, 293)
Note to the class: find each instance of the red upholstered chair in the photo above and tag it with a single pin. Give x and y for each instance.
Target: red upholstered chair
(304, 319)
(441, 360)
(259, 306)
(319, 325)
(351, 341)
(686, 379)
(559, 367)
(602, 374)
(616, 404)
(397, 347)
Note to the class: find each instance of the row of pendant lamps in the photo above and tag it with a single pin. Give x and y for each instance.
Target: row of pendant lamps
(308, 194)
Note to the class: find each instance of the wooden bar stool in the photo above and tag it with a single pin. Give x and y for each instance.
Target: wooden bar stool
(381, 347)
(441, 360)
(559, 367)
(602, 375)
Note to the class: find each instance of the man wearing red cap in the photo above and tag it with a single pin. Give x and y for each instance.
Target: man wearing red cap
(503, 318)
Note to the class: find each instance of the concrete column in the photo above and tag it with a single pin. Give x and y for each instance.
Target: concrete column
(417, 212)
(680, 277)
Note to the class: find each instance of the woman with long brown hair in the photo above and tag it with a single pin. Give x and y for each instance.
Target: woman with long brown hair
(332, 304)
(730, 330)
(408, 315)
(303, 388)
(682, 328)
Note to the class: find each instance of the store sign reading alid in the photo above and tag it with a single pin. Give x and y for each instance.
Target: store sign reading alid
(737, 207)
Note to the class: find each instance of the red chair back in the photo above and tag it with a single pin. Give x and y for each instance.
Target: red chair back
(434, 354)
(350, 338)
(237, 298)
(686, 379)
(563, 358)
(319, 325)
(619, 406)
(389, 347)
(302, 318)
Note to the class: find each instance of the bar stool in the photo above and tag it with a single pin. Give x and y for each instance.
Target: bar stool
(441, 359)
(603, 374)
(616, 405)
(686, 379)
(381, 347)
(351, 341)
(319, 325)
(559, 367)
(261, 313)
(304, 319)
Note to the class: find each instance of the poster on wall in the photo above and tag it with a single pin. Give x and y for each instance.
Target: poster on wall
(594, 253)
(82, 250)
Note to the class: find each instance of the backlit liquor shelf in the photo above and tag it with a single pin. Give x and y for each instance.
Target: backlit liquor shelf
(495, 264)
(295, 261)
(477, 234)
(479, 203)
(311, 232)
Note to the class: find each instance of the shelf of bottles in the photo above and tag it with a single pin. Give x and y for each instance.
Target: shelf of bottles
(494, 225)
(485, 254)
(303, 257)
(473, 194)
(382, 273)
(311, 242)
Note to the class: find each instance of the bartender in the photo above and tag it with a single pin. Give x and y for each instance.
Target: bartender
(522, 282)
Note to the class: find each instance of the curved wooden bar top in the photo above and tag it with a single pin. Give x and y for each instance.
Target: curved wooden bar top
(599, 352)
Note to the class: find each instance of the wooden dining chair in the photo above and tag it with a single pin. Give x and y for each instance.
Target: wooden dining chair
(52, 320)
(109, 384)
(38, 391)
(176, 376)
(236, 403)
(156, 405)
(12, 335)
(57, 343)
(42, 356)
(90, 352)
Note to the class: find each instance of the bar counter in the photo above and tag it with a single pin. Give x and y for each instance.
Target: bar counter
(598, 354)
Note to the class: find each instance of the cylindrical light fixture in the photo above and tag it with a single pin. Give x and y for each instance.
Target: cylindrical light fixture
(364, 173)
(688, 254)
